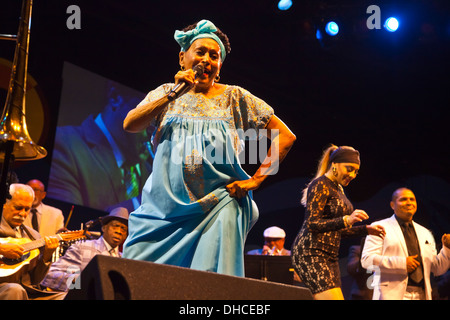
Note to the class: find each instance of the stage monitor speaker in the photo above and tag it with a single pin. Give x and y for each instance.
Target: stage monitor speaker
(109, 278)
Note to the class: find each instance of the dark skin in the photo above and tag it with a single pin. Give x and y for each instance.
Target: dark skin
(207, 52)
(270, 243)
(115, 232)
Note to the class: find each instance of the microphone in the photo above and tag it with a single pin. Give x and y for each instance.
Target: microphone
(182, 87)
(92, 223)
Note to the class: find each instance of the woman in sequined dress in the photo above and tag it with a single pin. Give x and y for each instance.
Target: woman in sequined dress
(329, 216)
(197, 207)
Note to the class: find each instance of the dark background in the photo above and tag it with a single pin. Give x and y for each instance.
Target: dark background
(386, 94)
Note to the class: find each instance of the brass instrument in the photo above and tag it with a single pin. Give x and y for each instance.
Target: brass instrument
(15, 141)
(13, 126)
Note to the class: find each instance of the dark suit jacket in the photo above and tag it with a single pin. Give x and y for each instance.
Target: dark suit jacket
(360, 289)
(84, 170)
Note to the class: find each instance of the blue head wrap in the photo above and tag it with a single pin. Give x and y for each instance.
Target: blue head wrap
(204, 29)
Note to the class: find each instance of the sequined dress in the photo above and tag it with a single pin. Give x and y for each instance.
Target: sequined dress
(316, 247)
(187, 218)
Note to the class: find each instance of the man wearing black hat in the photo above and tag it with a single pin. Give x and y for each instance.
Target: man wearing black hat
(63, 274)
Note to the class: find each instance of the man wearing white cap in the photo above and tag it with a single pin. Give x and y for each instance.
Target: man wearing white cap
(63, 274)
(274, 238)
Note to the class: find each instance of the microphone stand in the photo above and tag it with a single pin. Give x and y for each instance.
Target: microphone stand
(90, 224)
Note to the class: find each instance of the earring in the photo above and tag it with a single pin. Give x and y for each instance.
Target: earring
(217, 78)
(182, 68)
(334, 171)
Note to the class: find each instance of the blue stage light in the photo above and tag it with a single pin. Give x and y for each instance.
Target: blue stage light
(391, 24)
(332, 28)
(284, 4)
(318, 35)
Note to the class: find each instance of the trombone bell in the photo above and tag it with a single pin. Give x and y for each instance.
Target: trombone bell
(13, 127)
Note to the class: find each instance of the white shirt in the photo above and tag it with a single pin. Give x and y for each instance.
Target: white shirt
(114, 252)
(50, 220)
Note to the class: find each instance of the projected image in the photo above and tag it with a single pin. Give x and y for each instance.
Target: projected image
(95, 163)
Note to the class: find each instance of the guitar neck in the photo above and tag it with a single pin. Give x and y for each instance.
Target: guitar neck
(35, 244)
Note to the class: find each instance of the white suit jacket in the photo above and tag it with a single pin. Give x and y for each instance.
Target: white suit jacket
(50, 220)
(387, 258)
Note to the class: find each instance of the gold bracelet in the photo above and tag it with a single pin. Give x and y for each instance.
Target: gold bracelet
(346, 223)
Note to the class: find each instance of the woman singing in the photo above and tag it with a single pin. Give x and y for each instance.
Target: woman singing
(329, 216)
(196, 206)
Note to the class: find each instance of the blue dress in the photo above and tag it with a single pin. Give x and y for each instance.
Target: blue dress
(187, 218)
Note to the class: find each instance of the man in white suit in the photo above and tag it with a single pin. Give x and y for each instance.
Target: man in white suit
(49, 220)
(403, 266)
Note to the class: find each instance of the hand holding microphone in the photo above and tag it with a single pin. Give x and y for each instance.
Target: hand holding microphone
(185, 81)
(139, 118)
(266, 250)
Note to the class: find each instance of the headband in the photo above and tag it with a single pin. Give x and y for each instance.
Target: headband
(204, 29)
(345, 155)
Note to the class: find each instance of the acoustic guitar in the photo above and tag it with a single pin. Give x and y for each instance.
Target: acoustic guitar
(12, 269)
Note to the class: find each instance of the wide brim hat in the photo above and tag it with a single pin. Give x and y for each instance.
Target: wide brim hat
(118, 213)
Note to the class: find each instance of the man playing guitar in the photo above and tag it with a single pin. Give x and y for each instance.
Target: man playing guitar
(15, 211)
